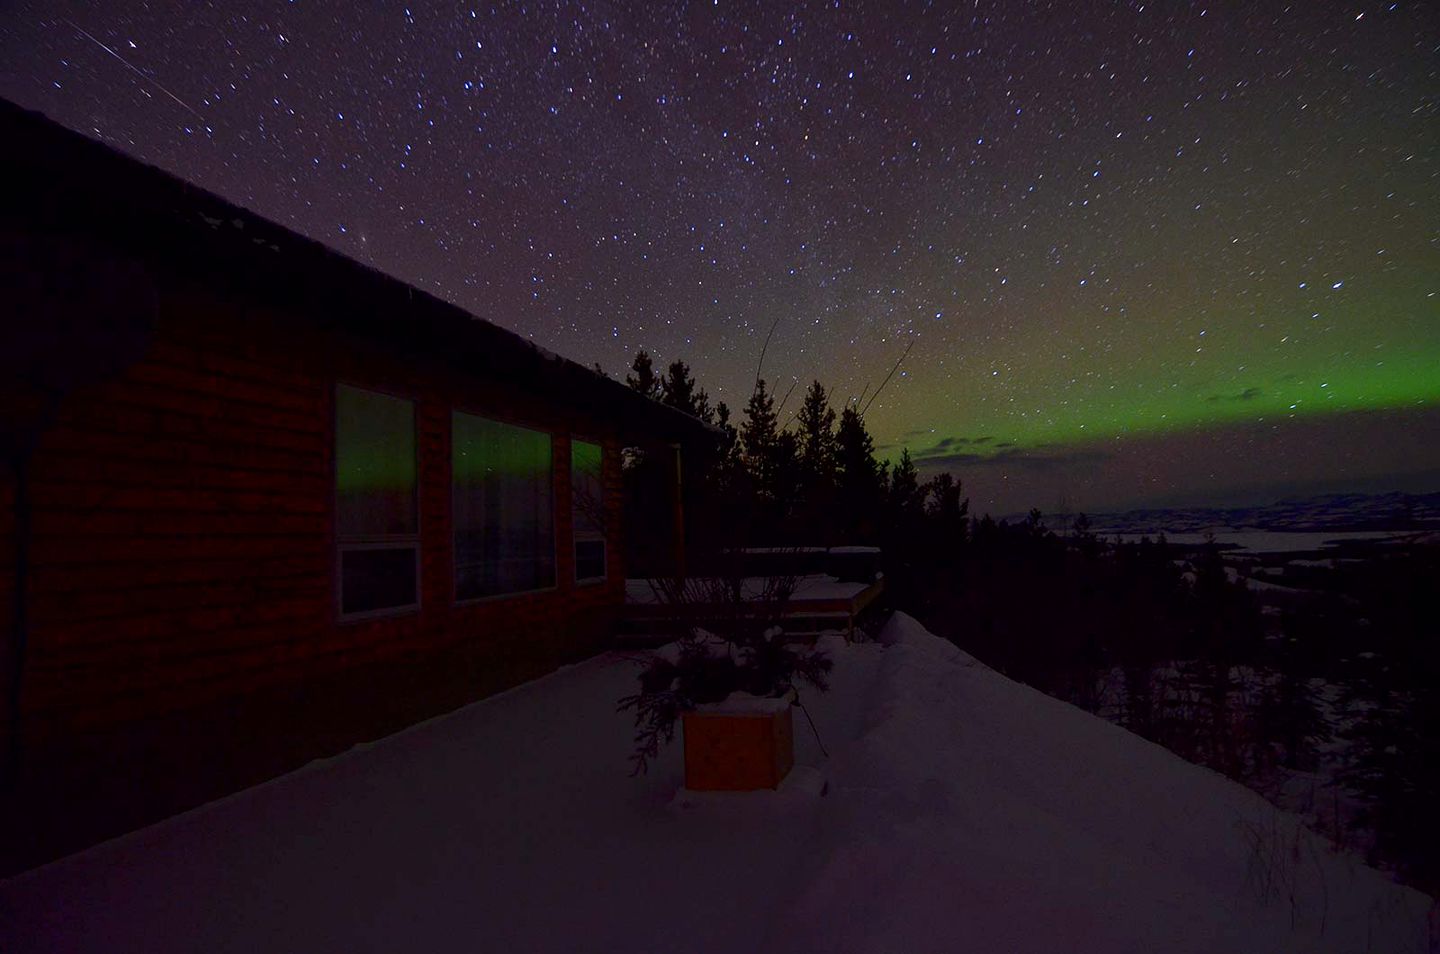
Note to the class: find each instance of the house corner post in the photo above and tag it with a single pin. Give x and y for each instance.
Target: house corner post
(678, 511)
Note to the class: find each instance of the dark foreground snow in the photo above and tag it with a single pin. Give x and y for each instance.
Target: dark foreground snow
(964, 812)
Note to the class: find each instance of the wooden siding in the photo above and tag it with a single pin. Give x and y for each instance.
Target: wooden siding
(183, 526)
(183, 634)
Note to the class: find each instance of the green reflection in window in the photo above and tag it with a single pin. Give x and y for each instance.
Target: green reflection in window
(587, 495)
(374, 464)
(502, 508)
(587, 486)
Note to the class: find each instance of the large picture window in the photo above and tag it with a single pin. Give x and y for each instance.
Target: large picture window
(502, 508)
(587, 495)
(377, 526)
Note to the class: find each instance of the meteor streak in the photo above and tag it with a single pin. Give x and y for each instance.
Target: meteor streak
(151, 80)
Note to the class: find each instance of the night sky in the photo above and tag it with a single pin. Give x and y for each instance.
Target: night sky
(1144, 252)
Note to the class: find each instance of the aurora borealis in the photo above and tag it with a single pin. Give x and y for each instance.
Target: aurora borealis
(1142, 250)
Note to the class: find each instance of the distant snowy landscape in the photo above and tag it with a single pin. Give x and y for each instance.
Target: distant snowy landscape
(1333, 515)
(1269, 541)
(957, 811)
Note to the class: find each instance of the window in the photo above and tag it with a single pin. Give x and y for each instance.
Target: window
(587, 495)
(377, 526)
(502, 506)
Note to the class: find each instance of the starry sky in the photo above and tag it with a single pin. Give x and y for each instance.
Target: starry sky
(1137, 252)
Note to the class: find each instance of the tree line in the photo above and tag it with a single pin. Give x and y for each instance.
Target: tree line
(811, 477)
(1164, 639)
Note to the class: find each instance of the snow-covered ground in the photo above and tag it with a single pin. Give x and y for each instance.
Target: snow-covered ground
(964, 812)
(1267, 541)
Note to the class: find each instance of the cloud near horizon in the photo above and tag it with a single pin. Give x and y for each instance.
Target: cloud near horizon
(1240, 463)
(1043, 458)
(949, 445)
(1249, 394)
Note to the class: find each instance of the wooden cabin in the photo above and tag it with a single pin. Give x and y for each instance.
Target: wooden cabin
(261, 502)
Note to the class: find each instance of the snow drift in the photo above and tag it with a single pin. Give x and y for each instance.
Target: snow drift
(963, 812)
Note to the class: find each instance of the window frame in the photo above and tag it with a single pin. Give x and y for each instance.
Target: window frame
(366, 542)
(602, 534)
(455, 598)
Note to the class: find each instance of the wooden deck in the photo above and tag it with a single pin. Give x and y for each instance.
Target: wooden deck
(820, 604)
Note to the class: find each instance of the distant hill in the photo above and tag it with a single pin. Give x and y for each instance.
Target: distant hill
(1326, 513)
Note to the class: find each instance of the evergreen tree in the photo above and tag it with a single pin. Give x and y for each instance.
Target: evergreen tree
(903, 531)
(948, 513)
(815, 467)
(757, 435)
(1392, 676)
(677, 389)
(946, 526)
(1083, 538)
(769, 459)
(816, 423)
(642, 377)
(1035, 523)
(722, 420)
(1226, 632)
(859, 478)
(785, 490)
(1149, 600)
(728, 473)
(1289, 713)
(720, 516)
(906, 496)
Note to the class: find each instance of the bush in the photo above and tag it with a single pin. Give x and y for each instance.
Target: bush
(733, 642)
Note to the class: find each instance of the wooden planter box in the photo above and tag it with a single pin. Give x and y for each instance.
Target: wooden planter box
(740, 745)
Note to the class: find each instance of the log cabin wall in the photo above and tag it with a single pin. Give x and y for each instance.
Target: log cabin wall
(184, 630)
(183, 355)
(183, 524)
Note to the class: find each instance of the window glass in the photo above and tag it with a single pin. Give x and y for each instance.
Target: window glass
(375, 579)
(376, 517)
(587, 495)
(374, 464)
(502, 508)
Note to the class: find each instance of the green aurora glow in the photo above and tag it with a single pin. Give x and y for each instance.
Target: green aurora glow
(1136, 406)
(1373, 343)
(1150, 225)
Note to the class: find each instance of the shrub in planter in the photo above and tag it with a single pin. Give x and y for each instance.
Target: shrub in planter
(733, 645)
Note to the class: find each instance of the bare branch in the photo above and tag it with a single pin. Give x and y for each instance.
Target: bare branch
(862, 393)
(887, 378)
(761, 363)
(781, 406)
